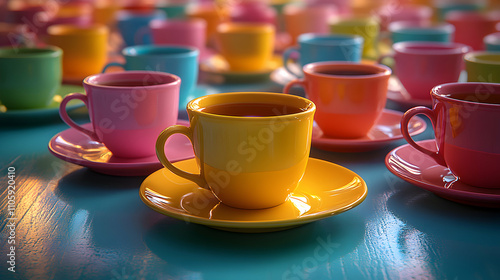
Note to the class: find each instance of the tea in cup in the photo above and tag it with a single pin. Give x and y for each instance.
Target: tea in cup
(85, 48)
(128, 110)
(466, 118)
(483, 66)
(29, 77)
(177, 60)
(242, 144)
(350, 97)
(324, 47)
(246, 46)
(420, 66)
(403, 32)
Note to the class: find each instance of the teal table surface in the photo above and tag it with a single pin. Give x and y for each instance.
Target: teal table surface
(72, 223)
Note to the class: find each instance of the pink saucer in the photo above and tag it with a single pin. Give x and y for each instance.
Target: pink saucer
(75, 147)
(386, 130)
(421, 170)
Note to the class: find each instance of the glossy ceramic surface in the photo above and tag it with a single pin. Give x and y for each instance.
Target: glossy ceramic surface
(85, 49)
(492, 42)
(300, 19)
(421, 170)
(355, 101)
(323, 47)
(483, 66)
(407, 31)
(133, 25)
(466, 131)
(397, 93)
(325, 190)
(127, 118)
(420, 65)
(386, 130)
(246, 46)
(29, 77)
(75, 147)
(181, 61)
(50, 112)
(215, 70)
(367, 27)
(246, 161)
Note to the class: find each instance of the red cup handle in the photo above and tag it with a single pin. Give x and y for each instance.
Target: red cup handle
(437, 156)
(298, 82)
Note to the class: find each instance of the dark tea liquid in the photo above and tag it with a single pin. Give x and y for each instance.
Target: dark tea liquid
(487, 98)
(346, 72)
(130, 83)
(251, 109)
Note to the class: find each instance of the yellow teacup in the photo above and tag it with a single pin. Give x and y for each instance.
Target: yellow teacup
(366, 27)
(84, 49)
(246, 46)
(252, 147)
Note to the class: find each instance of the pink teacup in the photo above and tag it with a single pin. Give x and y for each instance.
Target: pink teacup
(472, 26)
(128, 110)
(190, 32)
(420, 66)
(466, 118)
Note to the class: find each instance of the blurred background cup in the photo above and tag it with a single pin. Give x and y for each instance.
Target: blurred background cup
(212, 14)
(323, 47)
(246, 46)
(492, 42)
(127, 110)
(367, 27)
(173, 8)
(420, 66)
(133, 25)
(349, 97)
(472, 26)
(85, 49)
(410, 13)
(29, 77)
(190, 32)
(483, 66)
(178, 60)
(16, 35)
(253, 11)
(402, 31)
(466, 118)
(300, 19)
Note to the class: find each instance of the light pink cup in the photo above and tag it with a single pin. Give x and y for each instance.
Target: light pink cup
(420, 66)
(414, 14)
(308, 19)
(190, 32)
(466, 130)
(472, 26)
(127, 119)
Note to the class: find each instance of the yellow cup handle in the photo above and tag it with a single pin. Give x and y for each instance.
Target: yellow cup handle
(160, 153)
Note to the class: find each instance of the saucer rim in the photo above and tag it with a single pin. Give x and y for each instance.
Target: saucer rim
(337, 143)
(107, 168)
(466, 197)
(268, 225)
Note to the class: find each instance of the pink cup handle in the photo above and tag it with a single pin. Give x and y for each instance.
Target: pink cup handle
(298, 82)
(64, 114)
(437, 156)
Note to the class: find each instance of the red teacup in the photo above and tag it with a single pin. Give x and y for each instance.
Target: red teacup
(466, 120)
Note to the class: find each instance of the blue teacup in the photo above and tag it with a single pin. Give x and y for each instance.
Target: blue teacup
(324, 47)
(177, 60)
(405, 31)
(133, 25)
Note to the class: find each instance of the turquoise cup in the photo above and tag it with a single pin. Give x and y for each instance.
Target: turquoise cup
(177, 60)
(323, 47)
(412, 32)
(133, 25)
(492, 42)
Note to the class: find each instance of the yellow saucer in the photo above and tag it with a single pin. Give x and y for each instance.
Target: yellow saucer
(325, 190)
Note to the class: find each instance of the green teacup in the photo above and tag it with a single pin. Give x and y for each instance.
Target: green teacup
(483, 66)
(29, 77)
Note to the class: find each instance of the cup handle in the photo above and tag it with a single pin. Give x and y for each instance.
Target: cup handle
(112, 64)
(437, 156)
(286, 56)
(64, 114)
(160, 153)
(298, 82)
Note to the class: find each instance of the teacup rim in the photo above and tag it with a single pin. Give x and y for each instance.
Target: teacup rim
(82, 30)
(194, 106)
(190, 51)
(455, 48)
(306, 38)
(435, 92)
(473, 57)
(52, 51)
(386, 71)
(87, 80)
(397, 26)
(492, 38)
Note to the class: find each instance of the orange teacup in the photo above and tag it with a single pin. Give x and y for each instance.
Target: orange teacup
(349, 97)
